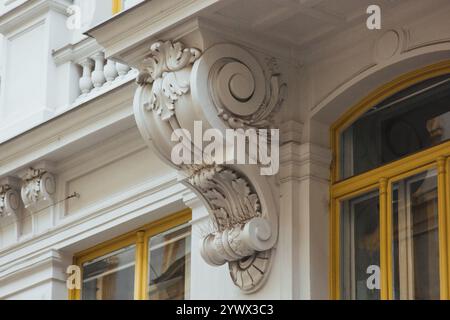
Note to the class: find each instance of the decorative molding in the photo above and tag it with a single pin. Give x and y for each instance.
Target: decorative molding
(243, 93)
(225, 87)
(242, 236)
(160, 69)
(10, 204)
(390, 43)
(304, 161)
(38, 189)
(291, 131)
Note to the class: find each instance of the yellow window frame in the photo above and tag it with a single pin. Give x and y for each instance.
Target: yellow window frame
(382, 178)
(139, 237)
(117, 6)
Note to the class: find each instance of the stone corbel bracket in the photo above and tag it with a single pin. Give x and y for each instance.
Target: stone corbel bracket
(38, 189)
(10, 204)
(225, 88)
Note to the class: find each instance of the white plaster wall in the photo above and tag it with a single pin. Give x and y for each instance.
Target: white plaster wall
(130, 3)
(29, 90)
(25, 73)
(92, 13)
(2, 70)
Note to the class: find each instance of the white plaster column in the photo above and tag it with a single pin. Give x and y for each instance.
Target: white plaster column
(40, 277)
(98, 76)
(304, 189)
(85, 81)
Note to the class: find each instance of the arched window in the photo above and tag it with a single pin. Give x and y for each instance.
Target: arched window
(390, 192)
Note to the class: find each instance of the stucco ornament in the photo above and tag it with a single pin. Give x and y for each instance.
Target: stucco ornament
(9, 203)
(38, 189)
(243, 95)
(224, 87)
(163, 68)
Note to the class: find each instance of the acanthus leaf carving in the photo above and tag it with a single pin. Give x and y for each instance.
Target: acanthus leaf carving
(242, 232)
(229, 195)
(164, 69)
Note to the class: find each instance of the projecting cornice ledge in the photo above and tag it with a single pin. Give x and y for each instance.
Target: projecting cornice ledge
(225, 87)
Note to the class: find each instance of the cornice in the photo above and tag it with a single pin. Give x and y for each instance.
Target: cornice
(76, 52)
(147, 197)
(28, 11)
(147, 21)
(112, 112)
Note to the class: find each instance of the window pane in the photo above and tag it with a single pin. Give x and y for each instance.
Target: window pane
(416, 239)
(360, 247)
(110, 277)
(407, 122)
(169, 262)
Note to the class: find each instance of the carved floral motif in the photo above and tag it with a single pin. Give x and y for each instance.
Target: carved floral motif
(9, 201)
(229, 195)
(38, 186)
(163, 68)
(242, 237)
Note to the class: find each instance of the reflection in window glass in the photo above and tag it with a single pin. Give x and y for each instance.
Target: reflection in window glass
(416, 246)
(401, 125)
(360, 248)
(110, 277)
(169, 261)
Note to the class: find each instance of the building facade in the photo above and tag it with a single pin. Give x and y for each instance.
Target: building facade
(348, 200)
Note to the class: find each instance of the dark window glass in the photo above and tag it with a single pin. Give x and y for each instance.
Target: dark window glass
(409, 121)
(169, 265)
(416, 239)
(360, 248)
(110, 277)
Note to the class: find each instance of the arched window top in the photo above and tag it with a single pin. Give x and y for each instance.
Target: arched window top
(411, 120)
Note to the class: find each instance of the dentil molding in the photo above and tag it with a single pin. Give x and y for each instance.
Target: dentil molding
(225, 87)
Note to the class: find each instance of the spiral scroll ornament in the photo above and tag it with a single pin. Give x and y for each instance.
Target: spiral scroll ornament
(241, 91)
(38, 189)
(9, 201)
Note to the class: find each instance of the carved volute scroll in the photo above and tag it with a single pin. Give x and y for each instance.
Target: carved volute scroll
(9, 201)
(38, 189)
(226, 88)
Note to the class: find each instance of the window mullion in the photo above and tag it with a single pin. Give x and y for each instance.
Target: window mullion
(389, 242)
(443, 232)
(335, 250)
(139, 267)
(384, 264)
